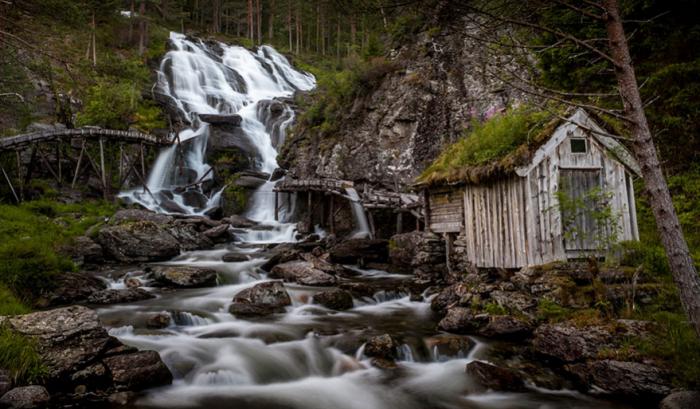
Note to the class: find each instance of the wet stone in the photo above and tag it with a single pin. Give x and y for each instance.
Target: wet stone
(262, 299)
(334, 299)
(494, 378)
(33, 396)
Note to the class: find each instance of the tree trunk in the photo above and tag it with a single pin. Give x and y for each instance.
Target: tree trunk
(132, 9)
(337, 39)
(323, 30)
(318, 28)
(289, 25)
(684, 273)
(353, 31)
(94, 41)
(250, 19)
(259, 20)
(142, 27)
(271, 21)
(216, 16)
(297, 20)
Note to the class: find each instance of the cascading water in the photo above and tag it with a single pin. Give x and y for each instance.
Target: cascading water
(358, 212)
(219, 81)
(309, 356)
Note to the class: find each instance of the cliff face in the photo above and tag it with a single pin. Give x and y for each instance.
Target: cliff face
(388, 136)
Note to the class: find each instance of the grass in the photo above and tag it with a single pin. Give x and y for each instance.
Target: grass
(31, 236)
(19, 355)
(505, 138)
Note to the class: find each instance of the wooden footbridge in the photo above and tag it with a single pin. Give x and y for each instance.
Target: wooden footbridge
(72, 155)
(370, 199)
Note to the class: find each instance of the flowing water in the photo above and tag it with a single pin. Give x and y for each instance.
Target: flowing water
(309, 356)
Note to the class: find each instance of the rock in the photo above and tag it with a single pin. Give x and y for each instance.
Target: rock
(33, 396)
(334, 299)
(71, 288)
(403, 249)
(5, 381)
(218, 119)
(567, 343)
(239, 221)
(454, 295)
(382, 346)
(184, 276)
(447, 346)
(277, 174)
(506, 326)
(219, 234)
(281, 254)
(112, 296)
(121, 398)
(630, 380)
(188, 236)
(494, 378)
(251, 179)
(514, 300)
(138, 215)
(681, 400)
(94, 376)
(460, 320)
(302, 272)
(85, 250)
(138, 241)
(234, 258)
(138, 370)
(131, 282)
(262, 299)
(158, 321)
(323, 265)
(355, 250)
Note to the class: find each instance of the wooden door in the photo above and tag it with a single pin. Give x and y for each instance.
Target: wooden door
(580, 200)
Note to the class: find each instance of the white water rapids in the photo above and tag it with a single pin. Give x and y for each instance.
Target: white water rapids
(309, 356)
(198, 81)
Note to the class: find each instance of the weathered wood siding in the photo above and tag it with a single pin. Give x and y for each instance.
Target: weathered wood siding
(446, 210)
(495, 223)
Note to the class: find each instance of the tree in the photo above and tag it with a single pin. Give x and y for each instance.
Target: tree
(504, 23)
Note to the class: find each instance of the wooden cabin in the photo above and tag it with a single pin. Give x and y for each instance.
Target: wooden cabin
(514, 218)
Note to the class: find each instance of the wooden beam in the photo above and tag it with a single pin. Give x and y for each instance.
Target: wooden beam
(77, 167)
(399, 222)
(331, 215)
(105, 193)
(19, 174)
(9, 183)
(277, 206)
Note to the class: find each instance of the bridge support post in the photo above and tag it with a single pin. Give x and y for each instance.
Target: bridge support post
(331, 214)
(20, 179)
(77, 166)
(309, 205)
(9, 183)
(399, 222)
(105, 191)
(277, 206)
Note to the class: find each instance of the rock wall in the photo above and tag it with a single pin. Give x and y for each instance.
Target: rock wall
(391, 134)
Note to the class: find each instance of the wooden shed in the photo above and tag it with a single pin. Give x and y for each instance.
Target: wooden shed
(517, 217)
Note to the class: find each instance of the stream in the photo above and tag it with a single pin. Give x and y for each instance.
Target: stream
(308, 356)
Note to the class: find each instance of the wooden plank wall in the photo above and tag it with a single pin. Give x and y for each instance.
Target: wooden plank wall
(496, 223)
(446, 210)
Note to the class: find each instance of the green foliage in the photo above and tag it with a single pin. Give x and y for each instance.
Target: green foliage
(489, 141)
(406, 27)
(31, 236)
(19, 355)
(548, 310)
(675, 342)
(494, 308)
(110, 105)
(9, 304)
(651, 257)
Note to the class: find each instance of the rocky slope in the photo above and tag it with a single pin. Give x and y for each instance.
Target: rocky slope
(391, 134)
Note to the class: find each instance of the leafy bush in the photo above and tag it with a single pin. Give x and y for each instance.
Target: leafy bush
(18, 354)
(652, 258)
(110, 105)
(548, 310)
(9, 304)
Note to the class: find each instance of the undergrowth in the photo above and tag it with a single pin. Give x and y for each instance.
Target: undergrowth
(18, 354)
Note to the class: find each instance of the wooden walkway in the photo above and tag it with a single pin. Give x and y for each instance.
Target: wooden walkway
(70, 156)
(23, 141)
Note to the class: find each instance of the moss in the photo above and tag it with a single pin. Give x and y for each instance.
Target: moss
(19, 355)
(490, 148)
(548, 310)
(494, 308)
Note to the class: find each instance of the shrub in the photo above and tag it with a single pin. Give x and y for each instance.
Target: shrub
(110, 104)
(548, 310)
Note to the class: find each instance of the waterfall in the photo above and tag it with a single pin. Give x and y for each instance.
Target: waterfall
(358, 212)
(226, 82)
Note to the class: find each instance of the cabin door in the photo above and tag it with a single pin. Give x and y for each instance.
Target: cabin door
(581, 202)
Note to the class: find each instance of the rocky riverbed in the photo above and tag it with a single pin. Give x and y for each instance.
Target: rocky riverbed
(182, 312)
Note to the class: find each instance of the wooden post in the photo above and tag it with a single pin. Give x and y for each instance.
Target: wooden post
(77, 167)
(426, 210)
(372, 231)
(399, 222)
(310, 217)
(9, 183)
(102, 169)
(58, 158)
(331, 215)
(19, 175)
(277, 206)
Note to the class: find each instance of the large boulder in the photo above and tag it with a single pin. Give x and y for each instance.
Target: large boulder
(302, 272)
(356, 251)
(567, 343)
(449, 346)
(494, 378)
(138, 370)
(71, 288)
(629, 380)
(453, 295)
(403, 249)
(506, 326)
(681, 400)
(184, 276)
(74, 348)
(33, 396)
(137, 215)
(138, 241)
(6, 382)
(84, 250)
(117, 296)
(239, 221)
(334, 299)
(461, 320)
(262, 299)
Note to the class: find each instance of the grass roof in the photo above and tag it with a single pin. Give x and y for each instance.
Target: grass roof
(493, 148)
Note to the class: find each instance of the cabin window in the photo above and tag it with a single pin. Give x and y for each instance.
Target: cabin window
(578, 145)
